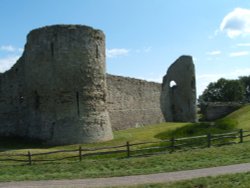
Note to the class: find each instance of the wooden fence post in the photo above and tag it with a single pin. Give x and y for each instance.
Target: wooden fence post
(209, 140)
(172, 144)
(241, 135)
(29, 158)
(128, 149)
(80, 153)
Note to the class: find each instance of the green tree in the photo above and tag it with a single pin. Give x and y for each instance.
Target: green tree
(246, 83)
(223, 91)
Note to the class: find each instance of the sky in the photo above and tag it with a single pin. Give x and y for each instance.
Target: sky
(143, 37)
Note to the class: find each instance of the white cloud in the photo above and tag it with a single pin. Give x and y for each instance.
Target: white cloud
(115, 52)
(7, 63)
(8, 48)
(236, 23)
(243, 44)
(215, 52)
(237, 54)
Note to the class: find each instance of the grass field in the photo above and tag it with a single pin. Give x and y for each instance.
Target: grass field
(198, 158)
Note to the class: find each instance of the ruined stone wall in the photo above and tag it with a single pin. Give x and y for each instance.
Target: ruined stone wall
(11, 106)
(215, 110)
(178, 99)
(57, 90)
(133, 102)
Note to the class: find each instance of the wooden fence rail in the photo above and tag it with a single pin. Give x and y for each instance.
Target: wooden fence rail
(131, 149)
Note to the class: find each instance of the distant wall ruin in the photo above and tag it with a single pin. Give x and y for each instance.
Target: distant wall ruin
(133, 102)
(178, 99)
(215, 110)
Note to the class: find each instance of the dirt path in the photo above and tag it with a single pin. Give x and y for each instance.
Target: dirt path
(131, 180)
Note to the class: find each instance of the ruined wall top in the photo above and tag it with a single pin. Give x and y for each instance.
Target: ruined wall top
(60, 28)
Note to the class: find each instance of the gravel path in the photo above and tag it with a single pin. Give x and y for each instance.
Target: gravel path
(131, 180)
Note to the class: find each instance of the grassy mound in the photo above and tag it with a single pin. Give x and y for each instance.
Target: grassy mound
(195, 129)
(239, 119)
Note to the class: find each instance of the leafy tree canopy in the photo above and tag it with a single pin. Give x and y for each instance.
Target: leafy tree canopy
(246, 83)
(226, 90)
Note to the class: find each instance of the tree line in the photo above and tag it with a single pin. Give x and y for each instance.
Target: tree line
(227, 90)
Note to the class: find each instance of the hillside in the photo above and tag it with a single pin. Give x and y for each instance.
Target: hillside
(241, 118)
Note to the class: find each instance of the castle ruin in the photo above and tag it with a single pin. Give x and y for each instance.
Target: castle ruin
(56, 92)
(59, 92)
(178, 98)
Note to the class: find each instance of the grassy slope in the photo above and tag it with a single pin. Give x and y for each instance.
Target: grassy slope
(241, 117)
(113, 167)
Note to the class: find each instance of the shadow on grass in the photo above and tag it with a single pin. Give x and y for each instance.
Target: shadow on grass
(202, 128)
(13, 143)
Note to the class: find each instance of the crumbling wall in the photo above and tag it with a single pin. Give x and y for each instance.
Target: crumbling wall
(57, 90)
(133, 102)
(11, 106)
(215, 110)
(178, 99)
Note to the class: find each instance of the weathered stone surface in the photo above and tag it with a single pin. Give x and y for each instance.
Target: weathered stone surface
(214, 110)
(133, 102)
(178, 99)
(56, 91)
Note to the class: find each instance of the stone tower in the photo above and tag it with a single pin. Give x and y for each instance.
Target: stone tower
(58, 91)
(178, 98)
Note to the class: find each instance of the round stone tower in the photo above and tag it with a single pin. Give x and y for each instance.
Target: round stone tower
(64, 93)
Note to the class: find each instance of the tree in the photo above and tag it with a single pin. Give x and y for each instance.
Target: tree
(223, 91)
(246, 83)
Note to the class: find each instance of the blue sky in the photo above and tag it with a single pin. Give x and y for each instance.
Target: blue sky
(143, 37)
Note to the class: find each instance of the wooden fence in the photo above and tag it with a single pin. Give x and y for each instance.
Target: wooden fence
(131, 149)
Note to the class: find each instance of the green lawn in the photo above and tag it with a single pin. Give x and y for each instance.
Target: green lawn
(199, 158)
(101, 167)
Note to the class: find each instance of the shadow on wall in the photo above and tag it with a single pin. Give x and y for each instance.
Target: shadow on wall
(15, 142)
(178, 96)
